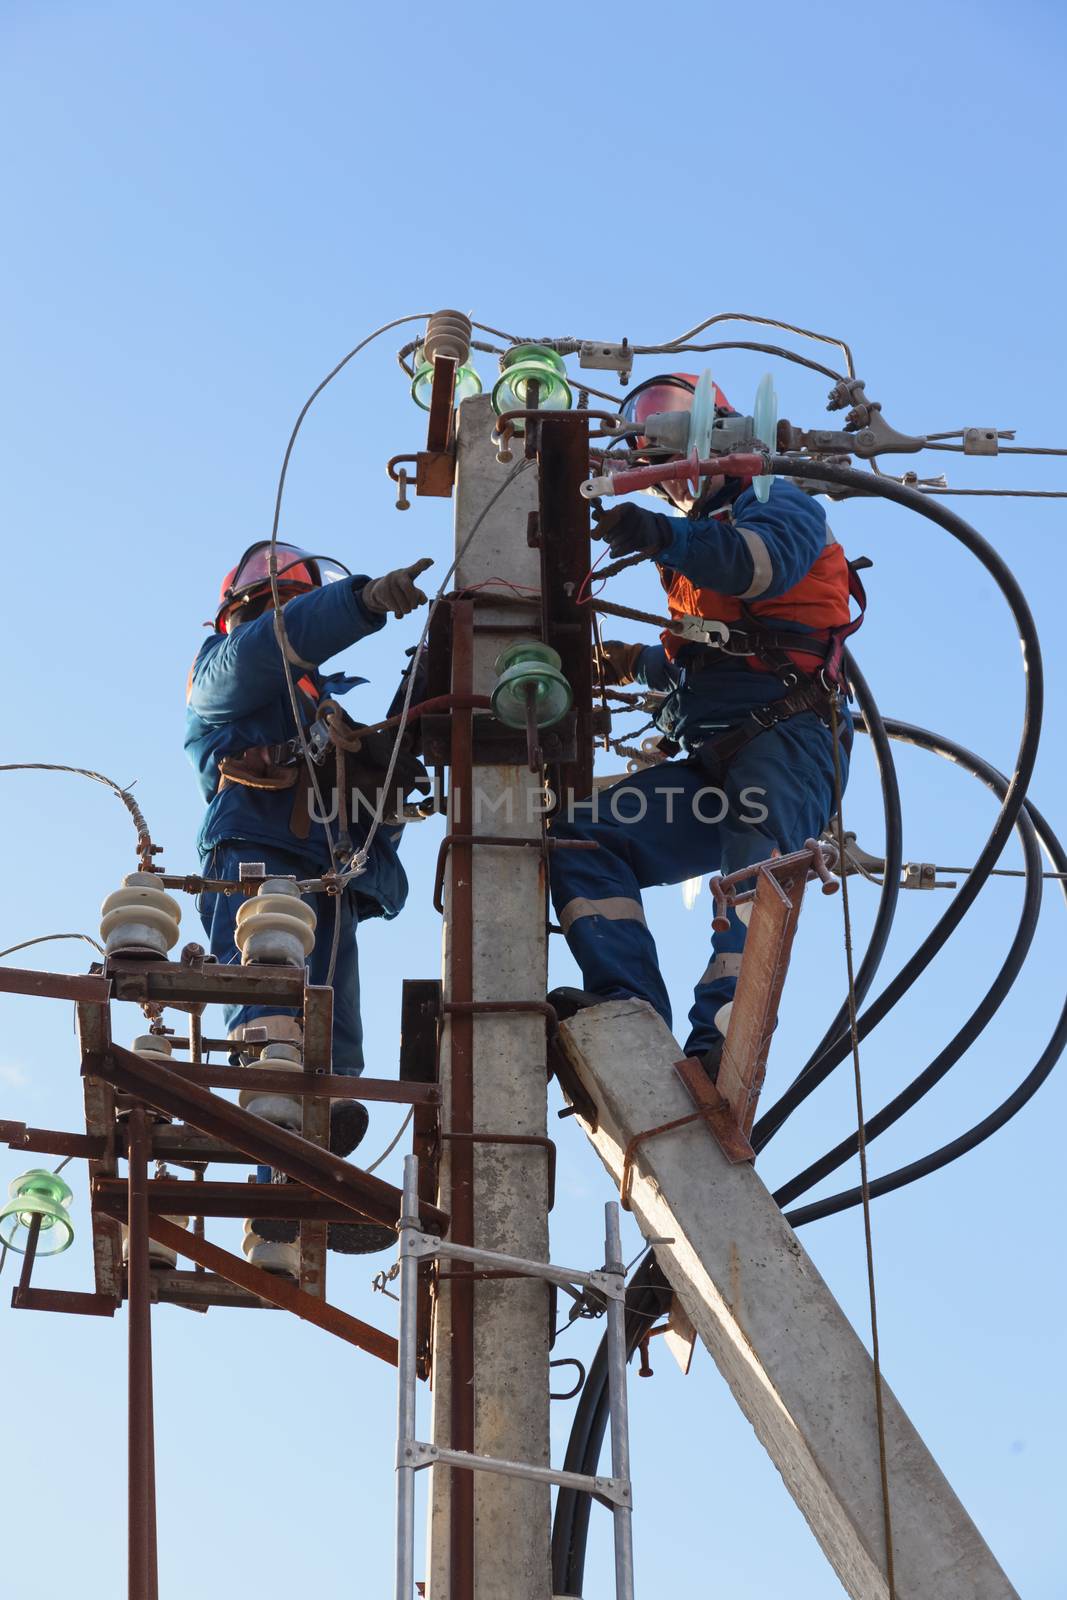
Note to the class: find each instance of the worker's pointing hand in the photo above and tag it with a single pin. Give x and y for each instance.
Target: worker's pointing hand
(631, 530)
(397, 591)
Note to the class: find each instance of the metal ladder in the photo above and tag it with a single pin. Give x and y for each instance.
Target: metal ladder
(413, 1454)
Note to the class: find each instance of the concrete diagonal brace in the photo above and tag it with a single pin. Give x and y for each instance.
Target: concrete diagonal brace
(795, 1365)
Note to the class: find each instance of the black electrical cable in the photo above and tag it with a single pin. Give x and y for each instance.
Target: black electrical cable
(1019, 1096)
(894, 852)
(648, 1297)
(815, 1073)
(982, 1014)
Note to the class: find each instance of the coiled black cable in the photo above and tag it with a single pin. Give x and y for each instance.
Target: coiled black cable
(894, 853)
(979, 1018)
(819, 1069)
(1035, 824)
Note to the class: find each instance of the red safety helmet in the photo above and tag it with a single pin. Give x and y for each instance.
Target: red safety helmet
(670, 391)
(297, 572)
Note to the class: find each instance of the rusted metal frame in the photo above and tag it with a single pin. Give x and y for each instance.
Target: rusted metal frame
(814, 859)
(276, 1290)
(465, 1008)
(420, 1040)
(315, 1125)
(495, 744)
(460, 1011)
(332, 1085)
(170, 982)
(565, 562)
(630, 1153)
(94, 1037)
(181, 1197)
(439, 703)
(262, 1141)
(87, 987)
(539, 1140)
(66, 1300)
(716, 1111)
(495, 839)
(768, 945)
(141, 1524)
(200, 1290)
(51, 1142)
(730, 1107)
(442, 393)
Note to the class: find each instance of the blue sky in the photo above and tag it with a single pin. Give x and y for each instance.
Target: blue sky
(206, 206)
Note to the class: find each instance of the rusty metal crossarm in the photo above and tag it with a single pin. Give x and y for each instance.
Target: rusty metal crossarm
(262, 1141)
(175, 1197)
(318, 1083)
(276, 1290)
(54, 985)
(52, 1142)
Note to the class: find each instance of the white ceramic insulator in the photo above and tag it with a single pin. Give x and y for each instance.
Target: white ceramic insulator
(722, 1017)
(448, 333)
(282, 1109)
(159, 1255)
(153, 1046)
(276, 925)
(280, 1258)
(139, 917)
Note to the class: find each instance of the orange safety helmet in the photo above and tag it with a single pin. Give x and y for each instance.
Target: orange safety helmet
(297, 572)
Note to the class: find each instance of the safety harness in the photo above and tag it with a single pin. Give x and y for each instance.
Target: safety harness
(361, 761)
(773, 647)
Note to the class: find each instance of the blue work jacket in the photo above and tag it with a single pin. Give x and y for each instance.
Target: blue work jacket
(238, 700)
(787, 533)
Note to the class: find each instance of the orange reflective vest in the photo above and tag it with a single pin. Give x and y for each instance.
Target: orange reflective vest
(820, 602)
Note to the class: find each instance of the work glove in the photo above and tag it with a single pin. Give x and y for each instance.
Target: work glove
(630, 530)
(397, 591)
(618, 661)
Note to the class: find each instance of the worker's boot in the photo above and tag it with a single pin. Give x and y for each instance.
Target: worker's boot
(281, 1257)
(566, 1003)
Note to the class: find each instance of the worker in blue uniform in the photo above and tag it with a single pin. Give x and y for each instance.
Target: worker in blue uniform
(240, 737)
(760, 593)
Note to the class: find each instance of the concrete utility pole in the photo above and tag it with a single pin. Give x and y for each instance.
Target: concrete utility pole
(490, 1391)
(795, 1365)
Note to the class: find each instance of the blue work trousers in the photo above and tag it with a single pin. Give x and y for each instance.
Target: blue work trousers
(672, 822)
(219, 915)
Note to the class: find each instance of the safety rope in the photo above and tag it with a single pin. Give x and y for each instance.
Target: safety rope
(879, 1397)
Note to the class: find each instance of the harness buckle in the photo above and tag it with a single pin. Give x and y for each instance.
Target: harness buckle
(701, 630)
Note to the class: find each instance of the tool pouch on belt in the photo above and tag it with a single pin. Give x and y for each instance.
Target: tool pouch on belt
(264, 767)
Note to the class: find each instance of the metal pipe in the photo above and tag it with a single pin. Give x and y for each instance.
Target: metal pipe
(30, 1253)
(141, 1528)
(406, 1383)
(620, 1422)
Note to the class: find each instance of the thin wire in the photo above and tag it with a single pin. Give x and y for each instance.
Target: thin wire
(932, 443)
(145, 848)
(360, 859)
(764, 322)
(879, 1399)
(279, 622)
(746, 344)
(1027, 494)
(391, 1146)
(44, 939)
